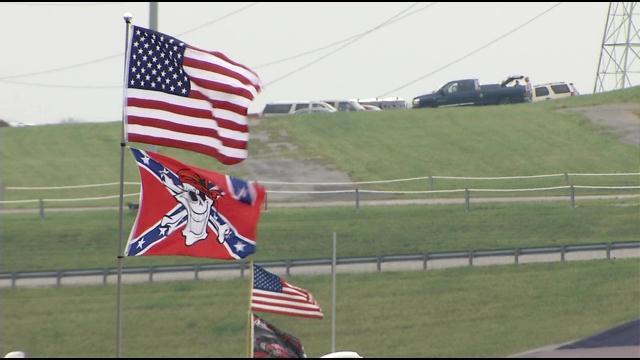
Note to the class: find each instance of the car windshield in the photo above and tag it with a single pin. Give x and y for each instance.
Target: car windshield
(356, 105)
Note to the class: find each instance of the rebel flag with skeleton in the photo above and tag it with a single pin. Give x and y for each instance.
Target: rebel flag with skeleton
(185, 210)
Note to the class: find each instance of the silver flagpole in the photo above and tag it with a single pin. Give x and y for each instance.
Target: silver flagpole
(333, 296)
(252, 336)
(123, 143)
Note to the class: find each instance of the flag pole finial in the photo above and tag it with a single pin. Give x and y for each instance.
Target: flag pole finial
(127, 17)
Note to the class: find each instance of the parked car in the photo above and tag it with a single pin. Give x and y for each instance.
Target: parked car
(310, 110)
(346, 105)
(371, 107)
(295, 107)
(385, 103)
(470, 92)
(551, 91)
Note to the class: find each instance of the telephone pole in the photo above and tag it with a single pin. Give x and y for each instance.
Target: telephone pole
(153, 15)
(619, 63)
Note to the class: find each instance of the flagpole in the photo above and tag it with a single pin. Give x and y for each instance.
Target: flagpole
(250, 329)
(333, 296)
(123, 143)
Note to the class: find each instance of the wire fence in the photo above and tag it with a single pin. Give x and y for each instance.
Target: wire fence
(352, 192)
(566, 176)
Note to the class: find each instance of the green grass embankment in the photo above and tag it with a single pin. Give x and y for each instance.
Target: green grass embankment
(75, 240)
(465, 312)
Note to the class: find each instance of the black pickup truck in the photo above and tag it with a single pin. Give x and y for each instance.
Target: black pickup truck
(470, 92)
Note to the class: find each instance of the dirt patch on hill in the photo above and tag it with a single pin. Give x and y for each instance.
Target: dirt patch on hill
(623, 120)
(276, 164)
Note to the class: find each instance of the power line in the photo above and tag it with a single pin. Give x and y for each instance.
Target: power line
(68, 67)
(308, 52)
(353, 40)
(94, 61)
(218, 19)
(473, 52)
(84, 87)
(62, 4)
(399, 16)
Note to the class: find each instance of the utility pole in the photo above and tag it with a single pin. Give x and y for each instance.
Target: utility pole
(153, 25)
(619, 63)
(153, 15)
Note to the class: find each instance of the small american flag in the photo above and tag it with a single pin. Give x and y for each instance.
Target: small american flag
(184, 97)
(274, 295)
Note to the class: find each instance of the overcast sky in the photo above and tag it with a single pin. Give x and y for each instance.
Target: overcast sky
(562, 45)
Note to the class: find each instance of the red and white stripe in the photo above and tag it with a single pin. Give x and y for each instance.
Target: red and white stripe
(292, 301)
(212, 120)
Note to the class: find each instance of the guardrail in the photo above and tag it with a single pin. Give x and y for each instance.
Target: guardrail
(242, 267)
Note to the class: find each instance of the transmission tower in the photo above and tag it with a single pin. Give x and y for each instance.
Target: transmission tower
(619, 64)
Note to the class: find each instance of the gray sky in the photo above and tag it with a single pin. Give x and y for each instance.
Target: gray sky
(562, 45)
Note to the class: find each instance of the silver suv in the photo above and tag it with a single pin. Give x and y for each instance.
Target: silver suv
(553, 91)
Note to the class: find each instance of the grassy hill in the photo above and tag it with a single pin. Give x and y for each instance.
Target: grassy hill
(493, 311)
(519, 139)
(468, 312)
(78, 240)
(506, 140)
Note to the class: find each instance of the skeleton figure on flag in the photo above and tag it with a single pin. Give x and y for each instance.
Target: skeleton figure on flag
(198, 198)
(190, 211)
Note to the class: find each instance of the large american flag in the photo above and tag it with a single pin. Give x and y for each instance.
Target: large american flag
(274, 295)
(184, 97)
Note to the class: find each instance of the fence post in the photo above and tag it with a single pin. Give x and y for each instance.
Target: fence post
(58, 278)
(431, 185)
(566, 178)
(288, 264)
(608, 251)
(379, 263)
(516, 255)
(242, 265)
(196, 272)
(573, 197)
(471, 254)
(151, 274)
(14, 278)
(266, 196)
(425, 260)
(357, 199)
(105, 273)
(562, 253)
(466, 200)
(41, 207)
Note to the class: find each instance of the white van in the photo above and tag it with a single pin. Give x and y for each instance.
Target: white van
(281, 108)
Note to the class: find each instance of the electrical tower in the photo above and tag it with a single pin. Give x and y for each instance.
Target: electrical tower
(619, 64)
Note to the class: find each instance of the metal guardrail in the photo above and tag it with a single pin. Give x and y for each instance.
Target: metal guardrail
(243, 266)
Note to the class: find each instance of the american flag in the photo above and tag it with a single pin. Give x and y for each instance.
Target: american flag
(184, 97)
(274, 295)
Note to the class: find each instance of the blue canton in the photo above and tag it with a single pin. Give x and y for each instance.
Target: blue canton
(156, 63)
(264, 280)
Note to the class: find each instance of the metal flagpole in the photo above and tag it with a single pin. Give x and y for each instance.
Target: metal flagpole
(123, 143)
(250, 329)
(333, 296)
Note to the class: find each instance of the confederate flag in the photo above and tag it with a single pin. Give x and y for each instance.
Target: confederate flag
(185, 210)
